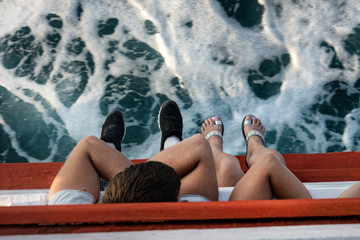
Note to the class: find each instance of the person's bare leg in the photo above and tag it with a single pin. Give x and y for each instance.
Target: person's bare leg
(268, 175)
(91, 158)
(193, 162)
(352, 192)
(228, 170)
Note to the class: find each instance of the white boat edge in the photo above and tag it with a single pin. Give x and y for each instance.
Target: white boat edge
(38, 197)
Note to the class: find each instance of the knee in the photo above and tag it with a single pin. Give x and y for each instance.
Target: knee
(88, 141)
(231, 169)
(230, 166)
(200, 148)
(272, 159)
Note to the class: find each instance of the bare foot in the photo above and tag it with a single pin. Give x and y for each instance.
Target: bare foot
(251, 123)
(208, 126)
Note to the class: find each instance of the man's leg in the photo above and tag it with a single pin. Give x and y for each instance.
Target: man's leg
(228, 170)
(193, 161)
(91, 158)
(268, 175)
(113, 132)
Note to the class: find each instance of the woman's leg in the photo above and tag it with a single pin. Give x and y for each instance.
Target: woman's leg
(228, 170)
(268, 176)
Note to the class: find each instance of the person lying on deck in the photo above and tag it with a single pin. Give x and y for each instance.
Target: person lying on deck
(267, 177)
(177, 173)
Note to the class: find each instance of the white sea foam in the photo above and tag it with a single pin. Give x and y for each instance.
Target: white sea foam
(189, 53)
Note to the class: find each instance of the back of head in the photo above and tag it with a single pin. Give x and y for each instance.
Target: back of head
(144, 182)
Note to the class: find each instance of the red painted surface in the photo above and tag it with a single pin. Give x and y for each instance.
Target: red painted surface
(189, 211)
(321, 167)
(30, 175)
(156, 216)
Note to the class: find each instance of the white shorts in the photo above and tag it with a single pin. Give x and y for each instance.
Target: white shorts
(66, 197)
(193, 198)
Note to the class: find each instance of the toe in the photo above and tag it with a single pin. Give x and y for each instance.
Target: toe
(255, 121)
(203, 127)
(249, 117)
(217, 118)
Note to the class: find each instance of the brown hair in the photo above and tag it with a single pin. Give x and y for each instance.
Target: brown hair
(144, 182)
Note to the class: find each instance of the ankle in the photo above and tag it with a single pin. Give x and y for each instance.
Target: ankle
(216, 143)
(255, 147)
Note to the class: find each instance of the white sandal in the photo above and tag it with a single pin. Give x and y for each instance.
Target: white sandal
(213, 133)
(252, 133)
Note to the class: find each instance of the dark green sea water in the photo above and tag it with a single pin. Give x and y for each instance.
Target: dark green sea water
(64, 67)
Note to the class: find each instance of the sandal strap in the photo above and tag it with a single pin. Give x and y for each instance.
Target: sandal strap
(213, 133)
(255, 132)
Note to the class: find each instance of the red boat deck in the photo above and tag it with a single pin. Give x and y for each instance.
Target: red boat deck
(157, 216)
